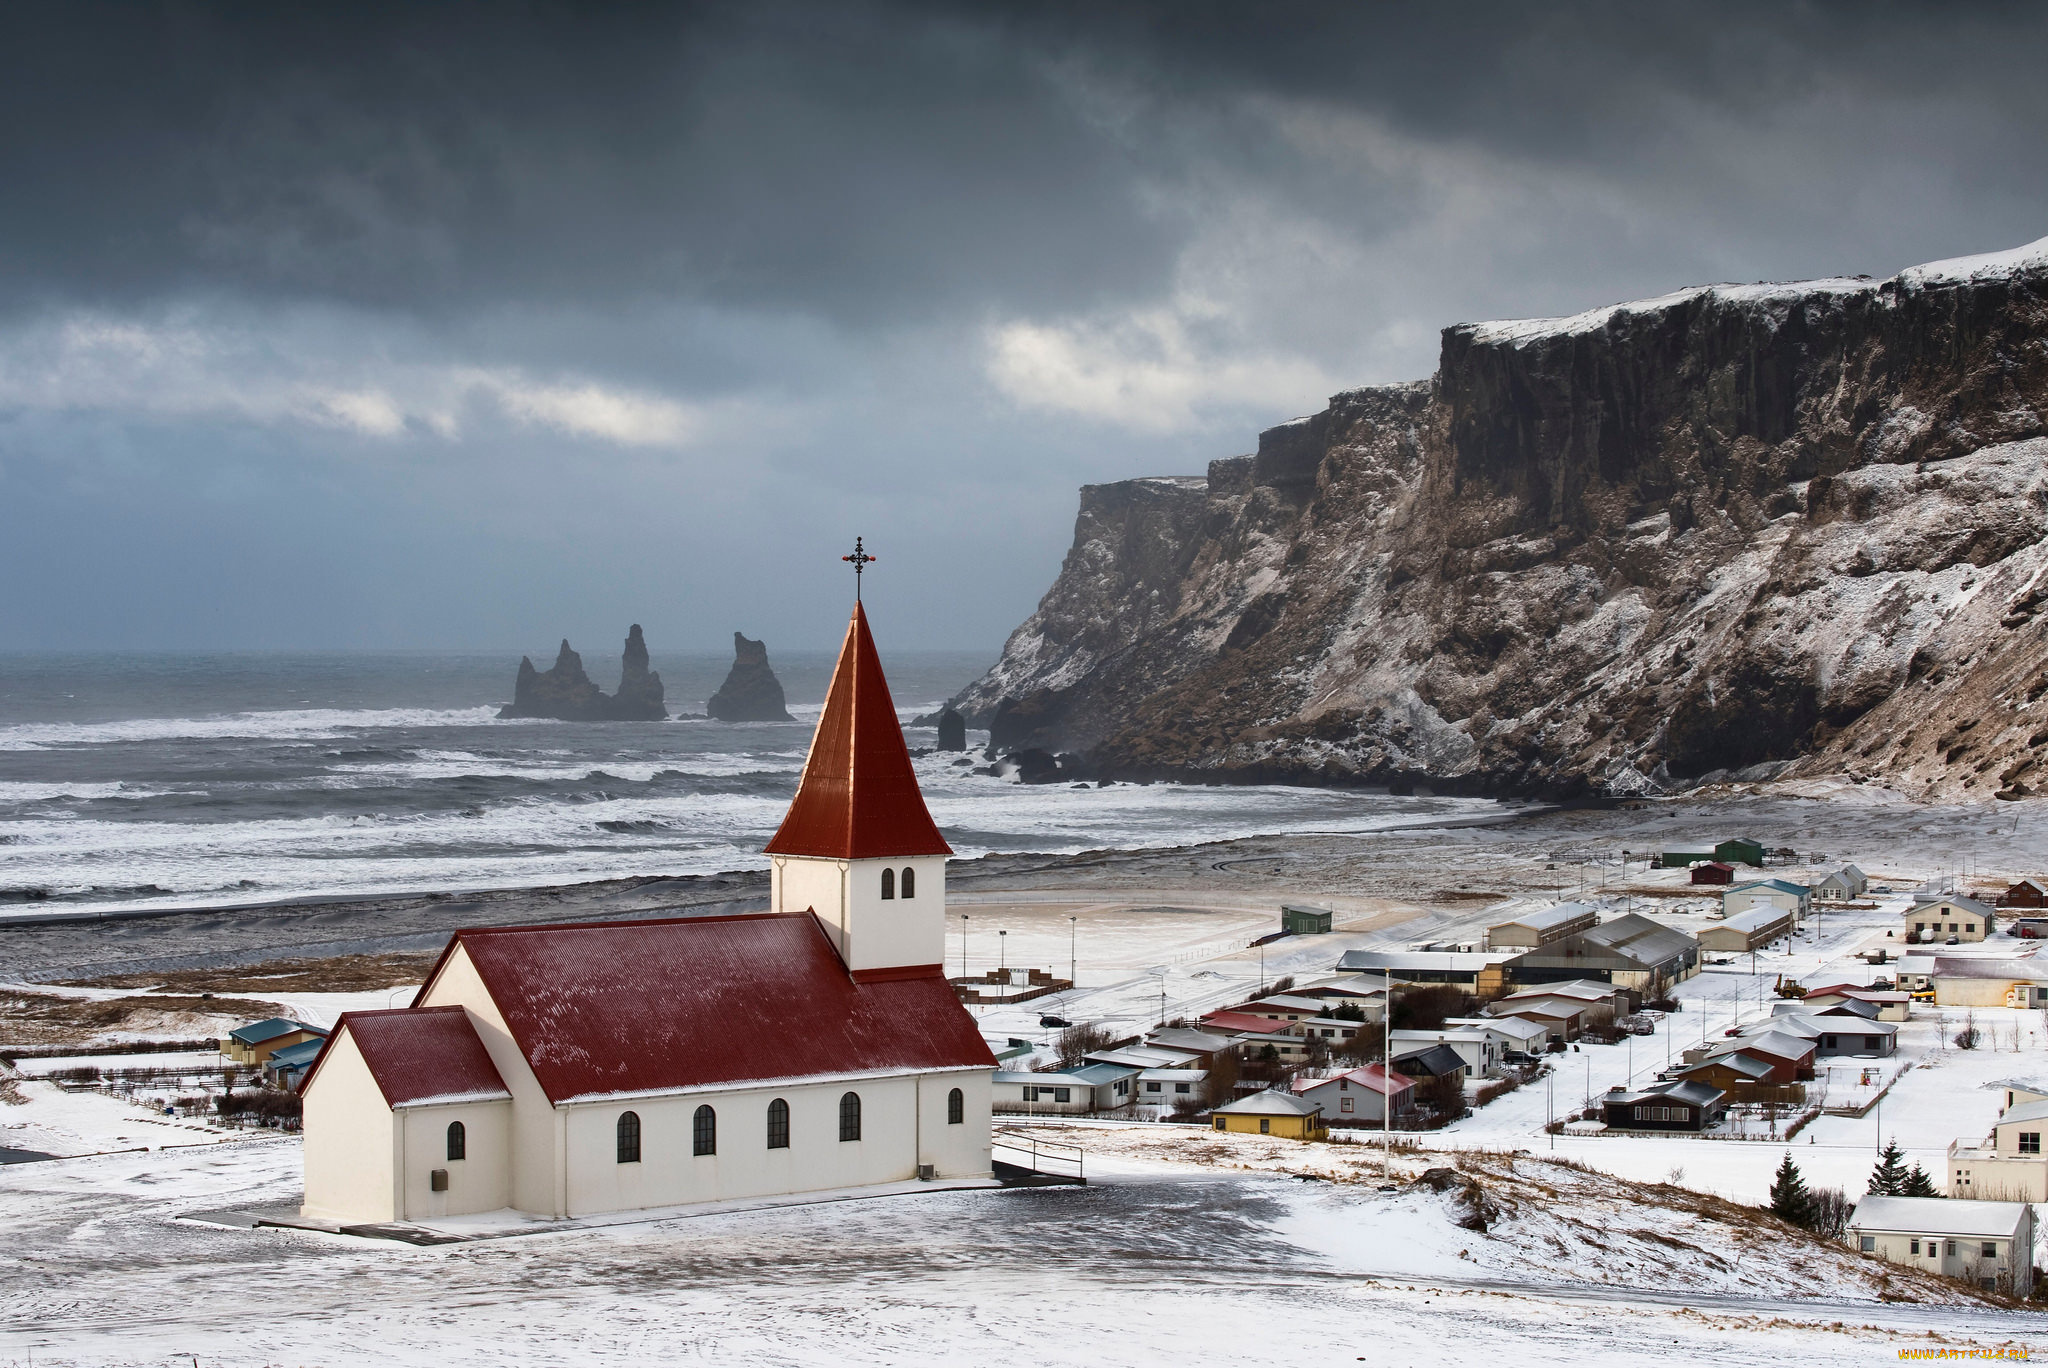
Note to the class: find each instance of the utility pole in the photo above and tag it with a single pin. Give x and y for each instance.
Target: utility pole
(963, 945)
(1550, 1107)
(1003, 955)
(1386, 1073)
(1073, 931)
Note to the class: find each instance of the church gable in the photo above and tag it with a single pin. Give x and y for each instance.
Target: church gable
(652, 1006)
(418, 1054)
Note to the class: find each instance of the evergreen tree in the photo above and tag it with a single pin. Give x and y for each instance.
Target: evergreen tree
(1790, 1201)
(1918, 1184)
(1888, 1179)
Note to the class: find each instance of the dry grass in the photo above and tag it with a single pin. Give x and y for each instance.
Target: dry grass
(341, 974)
(42, 1019)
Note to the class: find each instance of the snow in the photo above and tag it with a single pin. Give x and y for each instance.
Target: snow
(1958, 270)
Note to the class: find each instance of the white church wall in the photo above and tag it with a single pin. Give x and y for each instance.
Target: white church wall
(960, 1151)
(891, 1146)
(534, 1128)
(799, 884)
(350, 1141)
(479, 1181)
(898, 931)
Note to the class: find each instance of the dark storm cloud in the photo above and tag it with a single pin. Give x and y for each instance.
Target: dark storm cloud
(854, 159)
(485, 322)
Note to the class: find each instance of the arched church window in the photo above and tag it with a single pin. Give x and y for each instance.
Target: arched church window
(888, 884)
(629, 1137)
(849, 1117)
(458, 1141)
(909, 882)
(704, 1132)
(956, 1107)
(778, 1124)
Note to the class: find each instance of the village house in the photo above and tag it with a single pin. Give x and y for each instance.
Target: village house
(1171, 1087)
(1793, 899)
(1479, 1049)
(1271, 1113)
(1710, 872)
(2010, 1165)
(1846, 884)
(1464, 968)
(1988, 981)
(1435, 1061)
(1731, 1072)
(1939, 920)
(1987, 1243)
(1735, 850)
(1679, 1105)
(1891, 1004)
(1629, 951)
(1530, 930)
(2029, 893)
(1201, 1047)
(257, 1041)
(580, 1069)
(1746, 931)
(1358, 1097)
(1915, 973)
(1515, 1035)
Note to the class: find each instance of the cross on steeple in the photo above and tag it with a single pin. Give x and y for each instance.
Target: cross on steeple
(859, 560)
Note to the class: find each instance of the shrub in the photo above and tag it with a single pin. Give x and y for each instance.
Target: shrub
(1831, 1208)
(1081, 1039)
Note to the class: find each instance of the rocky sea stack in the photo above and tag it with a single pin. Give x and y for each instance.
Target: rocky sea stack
(566, 694)
(751, 692)
(1738, 532)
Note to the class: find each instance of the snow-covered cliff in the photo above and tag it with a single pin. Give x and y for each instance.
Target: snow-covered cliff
(1724, 530)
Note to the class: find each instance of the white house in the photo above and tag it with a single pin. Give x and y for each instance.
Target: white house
(1511, 1033)
(1358, 1097)
(1782, 894)
(1987, 1243)
(1479, 1048)
(1962, 920)
(1844, 885)
(577, 1069)
(2010, 1165)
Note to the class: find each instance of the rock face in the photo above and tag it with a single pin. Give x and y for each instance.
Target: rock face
(639, 696)
(565, 693)
(952, 730)
(751, 692)
(1737, 530)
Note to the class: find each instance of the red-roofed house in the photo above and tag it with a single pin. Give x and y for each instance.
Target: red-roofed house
(1356, 1098)
(570, 1070)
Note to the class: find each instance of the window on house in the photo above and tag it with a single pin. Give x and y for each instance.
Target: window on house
(909, 882)
(888, 884)
(1180, 1087)
(1990, 1250)
(2030, 1142)
(778, 1124)
(1219, 1123)
(629, 1137)
(458, 1140)
(1061, 1094)
(1869, 1244)
(1152, 1087)
(849, 1117)
(1969, 927)
(1265, 1126)
(956, 1108)
(1951, 1247)
(1914, 1248)
(1344, 1103)
(704, 1132)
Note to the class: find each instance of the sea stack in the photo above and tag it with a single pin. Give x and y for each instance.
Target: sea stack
(639, 696)
(751, 692)
(952, 730)
(564, 693)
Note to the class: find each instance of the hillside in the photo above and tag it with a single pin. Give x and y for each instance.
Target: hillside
(1733, 530)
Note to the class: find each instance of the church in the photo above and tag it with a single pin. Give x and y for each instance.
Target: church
(572, 1070)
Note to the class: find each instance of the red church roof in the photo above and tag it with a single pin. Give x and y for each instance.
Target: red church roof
(858, 798)
(646, 1006)
(417, 1053)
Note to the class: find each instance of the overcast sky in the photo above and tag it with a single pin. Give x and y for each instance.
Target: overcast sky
(481, 325)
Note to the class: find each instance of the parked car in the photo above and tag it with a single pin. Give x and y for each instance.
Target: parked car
(1053, 1023)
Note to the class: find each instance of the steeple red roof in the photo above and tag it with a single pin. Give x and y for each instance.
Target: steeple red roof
(859, 797)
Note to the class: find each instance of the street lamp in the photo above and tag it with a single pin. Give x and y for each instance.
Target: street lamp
(1003, 954)
(1073, 930)
(963, 945)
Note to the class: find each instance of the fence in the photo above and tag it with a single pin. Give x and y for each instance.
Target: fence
(1040, 1155)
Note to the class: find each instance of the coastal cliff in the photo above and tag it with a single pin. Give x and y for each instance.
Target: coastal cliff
(1734, 531)
(751, 692)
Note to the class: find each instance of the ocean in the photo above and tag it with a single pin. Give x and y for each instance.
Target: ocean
(138, 779)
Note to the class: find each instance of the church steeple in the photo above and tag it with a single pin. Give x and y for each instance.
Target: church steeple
(858, 847)
(858, 798)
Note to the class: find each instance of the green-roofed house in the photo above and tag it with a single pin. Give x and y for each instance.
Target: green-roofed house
(257, 1041)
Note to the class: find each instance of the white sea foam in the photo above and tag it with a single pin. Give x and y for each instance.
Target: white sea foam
(308, 724)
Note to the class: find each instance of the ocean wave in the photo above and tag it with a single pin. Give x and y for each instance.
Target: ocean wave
(303, 724)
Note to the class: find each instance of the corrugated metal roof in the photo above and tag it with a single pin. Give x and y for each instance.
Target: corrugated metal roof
(1938, 1216)
(609, 1007)
(1551, 916)
(1268, 1103)
(2023, 1111)
(858, 798)
(256, 1032)
(418, 1052)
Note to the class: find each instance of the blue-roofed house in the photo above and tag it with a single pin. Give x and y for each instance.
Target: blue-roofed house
(257, 1041)
(287, 1066)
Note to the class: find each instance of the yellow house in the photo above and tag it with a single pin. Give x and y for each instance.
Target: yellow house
(1272, 1113)
(259, 1040)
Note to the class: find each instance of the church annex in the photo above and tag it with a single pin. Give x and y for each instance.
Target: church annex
(578, 1069)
